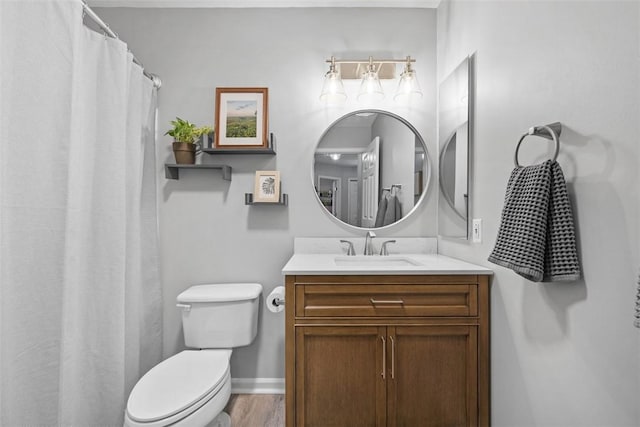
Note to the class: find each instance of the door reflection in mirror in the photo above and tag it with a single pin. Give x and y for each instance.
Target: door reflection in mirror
(360, 158)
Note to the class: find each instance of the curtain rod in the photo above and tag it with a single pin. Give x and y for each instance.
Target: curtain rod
(104, 27)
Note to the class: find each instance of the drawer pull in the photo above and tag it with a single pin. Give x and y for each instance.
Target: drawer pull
(384, 359)
(378, 301)
(393, 358)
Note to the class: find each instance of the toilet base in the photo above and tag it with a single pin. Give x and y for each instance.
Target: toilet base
(222, 420)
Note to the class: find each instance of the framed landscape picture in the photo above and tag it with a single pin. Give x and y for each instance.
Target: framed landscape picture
(267, 187)
(241, 117)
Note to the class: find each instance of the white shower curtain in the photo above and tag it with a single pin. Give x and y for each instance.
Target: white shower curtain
(80, 298)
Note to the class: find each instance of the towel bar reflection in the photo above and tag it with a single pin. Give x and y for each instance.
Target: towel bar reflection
(551, 131)
(398, 186)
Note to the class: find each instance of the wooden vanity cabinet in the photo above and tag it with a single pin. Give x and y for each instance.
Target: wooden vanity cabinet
(387, 351)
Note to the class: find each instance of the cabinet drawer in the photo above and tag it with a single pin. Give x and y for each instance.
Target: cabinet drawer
(337, 300)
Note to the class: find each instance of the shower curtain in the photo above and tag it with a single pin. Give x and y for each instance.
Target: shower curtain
(80, 298)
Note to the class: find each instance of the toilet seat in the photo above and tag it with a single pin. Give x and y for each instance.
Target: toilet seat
(178, 386)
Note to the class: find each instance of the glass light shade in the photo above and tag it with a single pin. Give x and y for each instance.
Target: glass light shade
(408, 87)
(333, 89)
(370, 88)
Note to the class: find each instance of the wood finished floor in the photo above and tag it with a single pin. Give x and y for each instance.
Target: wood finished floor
(256, 410)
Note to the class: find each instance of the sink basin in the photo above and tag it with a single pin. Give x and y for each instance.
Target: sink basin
(375, 261)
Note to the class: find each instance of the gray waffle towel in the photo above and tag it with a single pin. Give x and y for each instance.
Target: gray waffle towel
(382, 209)
(394, 210)
(636, 321)
(536, 238)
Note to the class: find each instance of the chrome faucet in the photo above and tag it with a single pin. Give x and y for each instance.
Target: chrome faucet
(383, 249)
(368, 246)
(350, 250)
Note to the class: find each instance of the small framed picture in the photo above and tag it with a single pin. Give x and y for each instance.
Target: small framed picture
(241, 117)
(267, 187)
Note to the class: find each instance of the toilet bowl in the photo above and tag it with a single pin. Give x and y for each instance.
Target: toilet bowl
(191, 388)
(188, 389)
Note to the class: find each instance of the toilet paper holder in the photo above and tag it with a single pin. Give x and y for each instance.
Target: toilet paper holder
(275, 300)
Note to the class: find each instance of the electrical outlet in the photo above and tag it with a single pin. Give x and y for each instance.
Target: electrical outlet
(476, 231)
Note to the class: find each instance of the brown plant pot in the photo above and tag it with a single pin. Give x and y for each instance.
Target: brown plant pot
(184, 152)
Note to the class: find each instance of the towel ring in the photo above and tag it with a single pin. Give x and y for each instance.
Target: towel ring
(536, 131)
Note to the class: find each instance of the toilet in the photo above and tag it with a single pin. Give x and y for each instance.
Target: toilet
(191, 388)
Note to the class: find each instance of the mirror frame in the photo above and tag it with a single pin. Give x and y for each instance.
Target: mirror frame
(426, 176)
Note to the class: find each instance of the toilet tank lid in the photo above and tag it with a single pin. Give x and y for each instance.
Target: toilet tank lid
(221, 292)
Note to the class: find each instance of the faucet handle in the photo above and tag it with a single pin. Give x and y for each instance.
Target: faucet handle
(350, 250)
(383, 248)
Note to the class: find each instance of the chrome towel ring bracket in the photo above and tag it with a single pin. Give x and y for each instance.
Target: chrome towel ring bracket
(551, 131)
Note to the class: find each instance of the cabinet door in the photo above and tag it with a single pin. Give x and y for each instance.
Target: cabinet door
(432, 373)
(340, 377)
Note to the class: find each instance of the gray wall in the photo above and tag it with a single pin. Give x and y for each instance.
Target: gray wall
(343, 172)
(207, 233)
(347, 136)
(563, 354)
(397, 157)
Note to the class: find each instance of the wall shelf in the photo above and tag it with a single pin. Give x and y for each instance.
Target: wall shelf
(172, 170)
(268, 151)
(284, 200)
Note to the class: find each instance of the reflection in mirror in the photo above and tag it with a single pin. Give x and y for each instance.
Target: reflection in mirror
(453, 175)
(371, 169)
(453, 129)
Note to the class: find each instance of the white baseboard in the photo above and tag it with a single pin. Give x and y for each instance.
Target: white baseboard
(257, 385)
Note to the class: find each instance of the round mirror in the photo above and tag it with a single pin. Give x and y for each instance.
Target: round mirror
(371, 169)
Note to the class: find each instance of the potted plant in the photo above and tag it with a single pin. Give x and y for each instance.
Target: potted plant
(185, 135)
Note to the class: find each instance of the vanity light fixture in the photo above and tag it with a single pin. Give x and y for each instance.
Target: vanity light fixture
(370, 87)
(370, 71)
(408, 86)
(333, 89)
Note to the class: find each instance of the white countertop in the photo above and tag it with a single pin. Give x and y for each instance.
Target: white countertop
(338, 263)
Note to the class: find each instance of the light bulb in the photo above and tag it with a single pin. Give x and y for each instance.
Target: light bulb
(408, 87)
(370, 88)
(332, 89)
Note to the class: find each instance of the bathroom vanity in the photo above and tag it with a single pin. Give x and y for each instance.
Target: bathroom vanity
(401, 340)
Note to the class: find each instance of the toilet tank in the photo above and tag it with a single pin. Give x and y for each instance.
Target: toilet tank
(221, 315)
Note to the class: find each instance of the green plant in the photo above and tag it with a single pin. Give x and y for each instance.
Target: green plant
(184, 131)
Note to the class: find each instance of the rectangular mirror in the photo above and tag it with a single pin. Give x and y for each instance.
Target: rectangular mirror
(453, 148)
